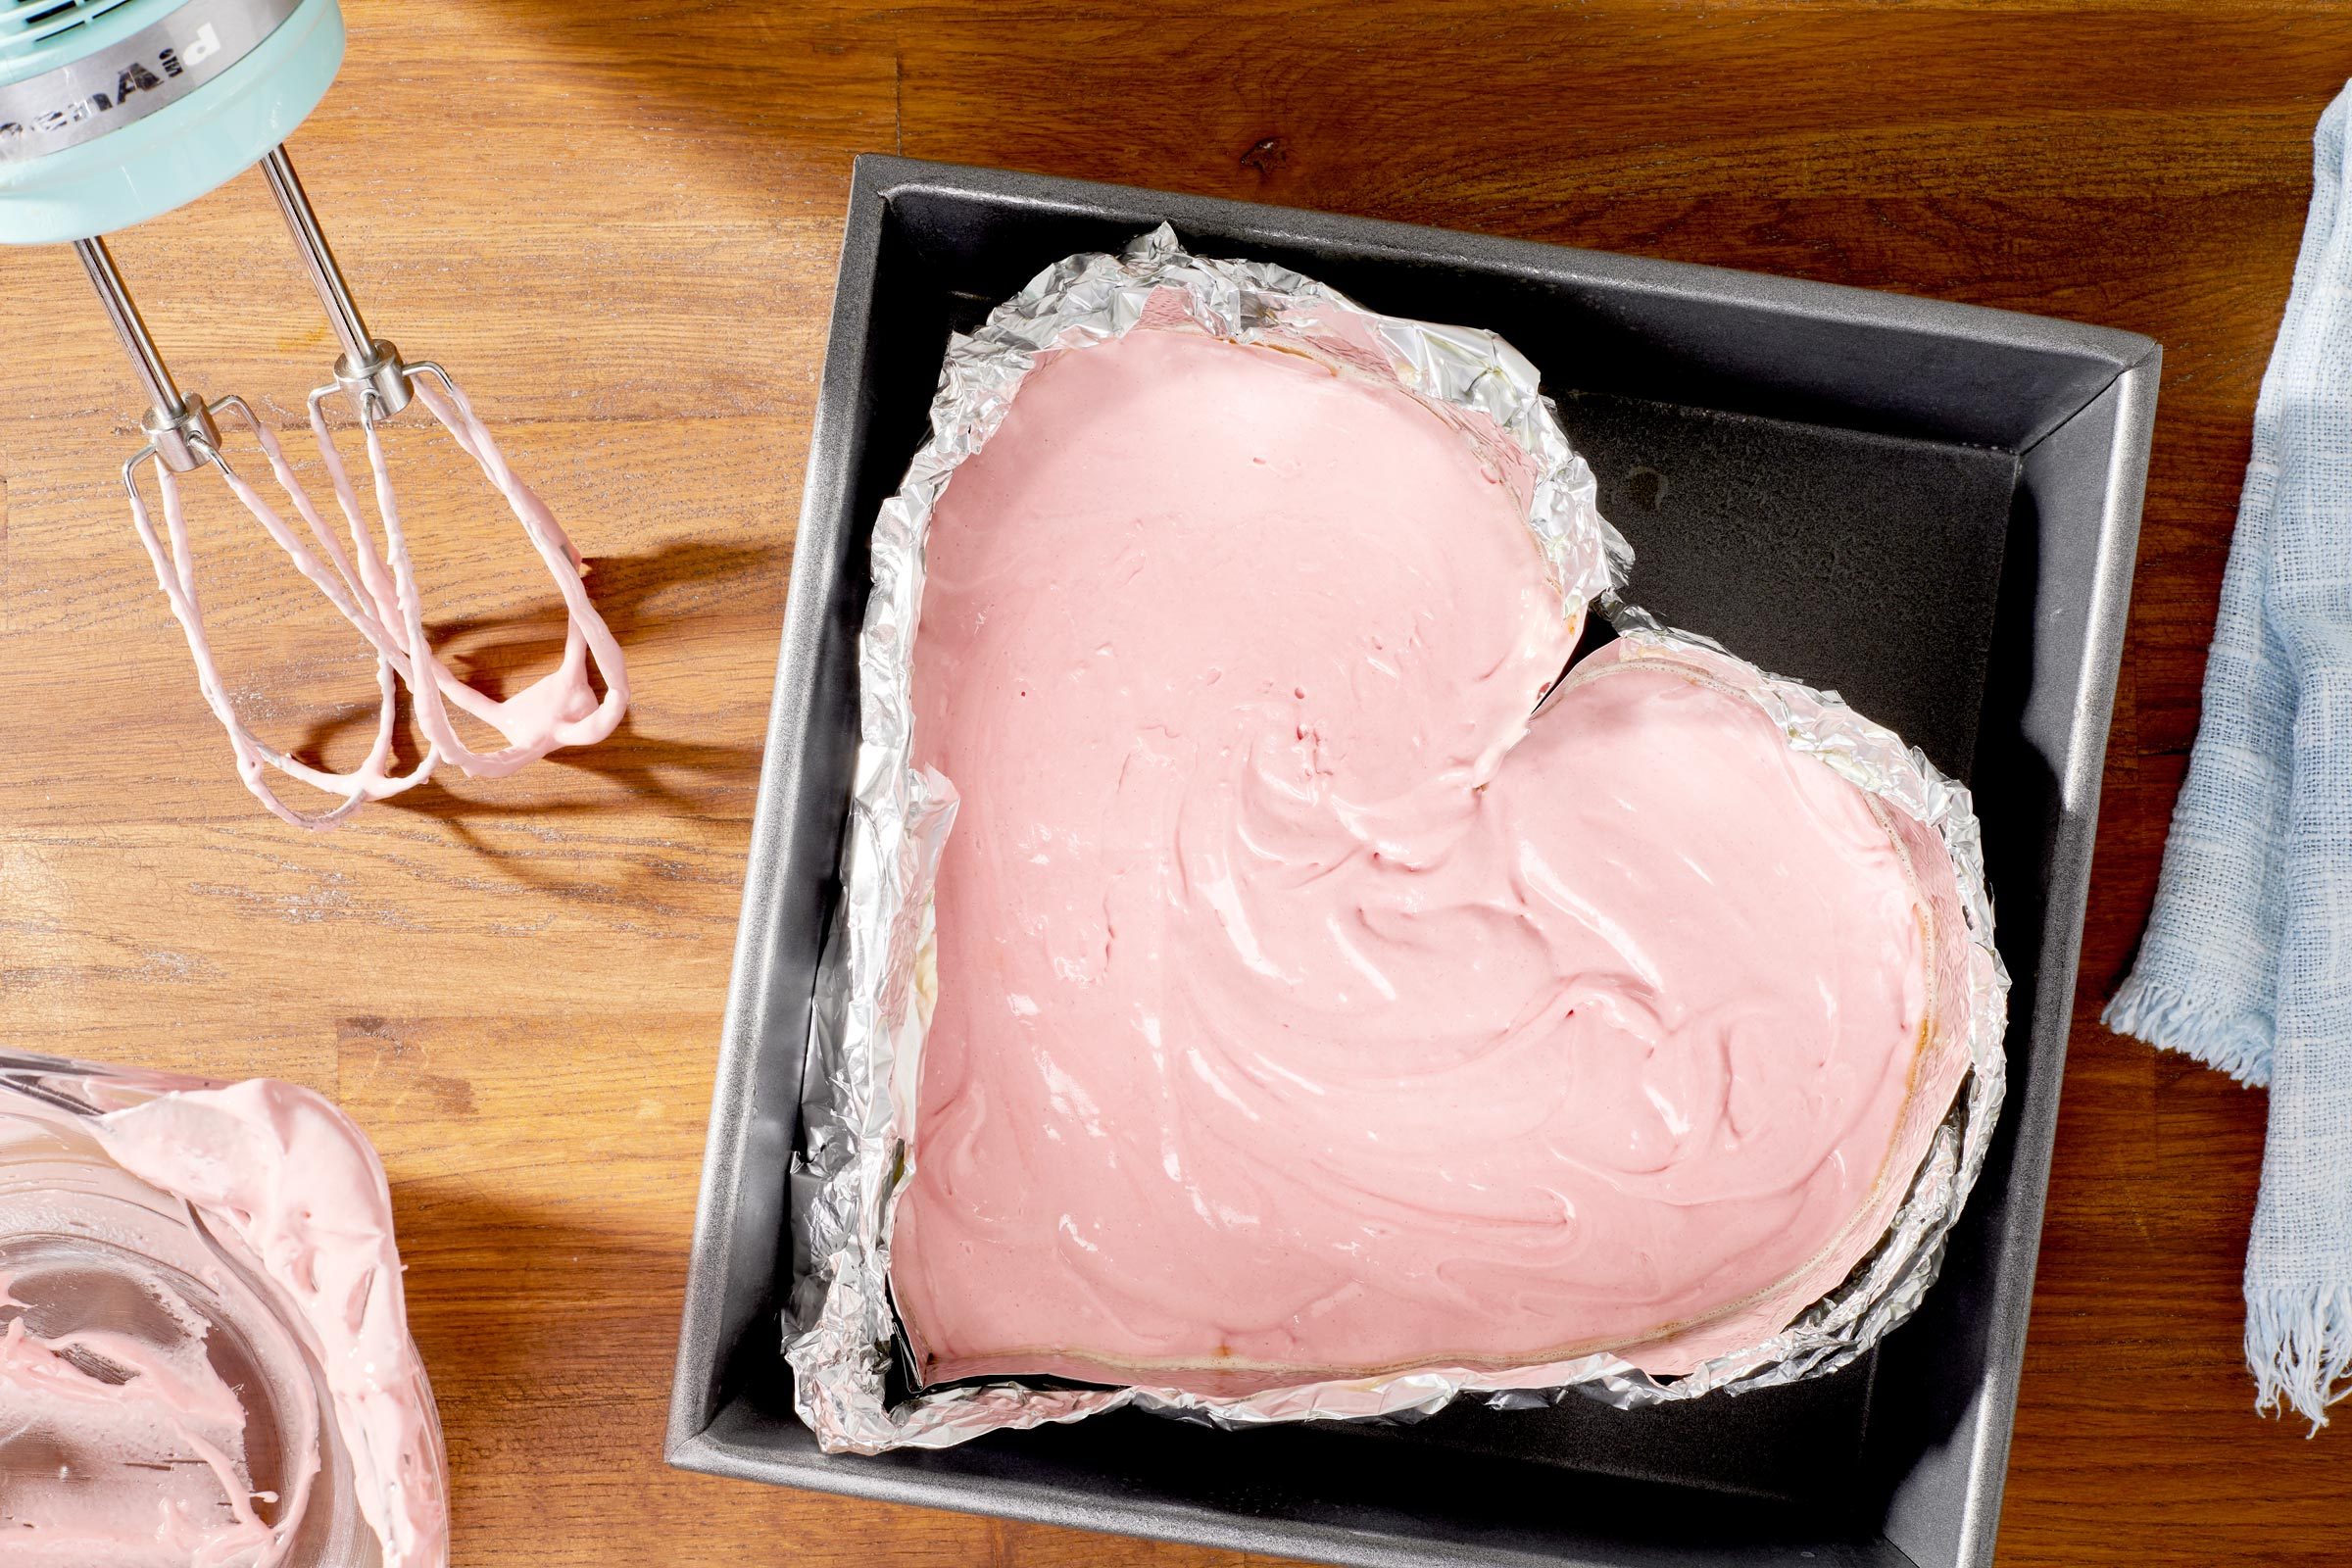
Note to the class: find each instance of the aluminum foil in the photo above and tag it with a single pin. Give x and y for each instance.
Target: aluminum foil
(875, 991)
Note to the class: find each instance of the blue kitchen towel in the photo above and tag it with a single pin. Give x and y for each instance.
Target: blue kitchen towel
(2247, 962)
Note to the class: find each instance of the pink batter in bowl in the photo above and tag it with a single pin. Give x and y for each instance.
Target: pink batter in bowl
(204, 1353)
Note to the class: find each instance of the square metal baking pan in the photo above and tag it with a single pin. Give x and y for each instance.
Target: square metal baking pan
(1931, 507)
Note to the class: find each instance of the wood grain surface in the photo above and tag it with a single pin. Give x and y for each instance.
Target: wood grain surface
(616, 222)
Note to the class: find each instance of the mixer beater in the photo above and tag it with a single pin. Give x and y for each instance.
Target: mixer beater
(199, 90)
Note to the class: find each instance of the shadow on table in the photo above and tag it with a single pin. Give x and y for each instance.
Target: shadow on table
(538, 1330)
(501, 655)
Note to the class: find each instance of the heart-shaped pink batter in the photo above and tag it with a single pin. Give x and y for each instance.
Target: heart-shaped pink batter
(1301, 1009)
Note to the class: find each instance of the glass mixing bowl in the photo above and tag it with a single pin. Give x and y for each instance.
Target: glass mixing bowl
(160, 1401)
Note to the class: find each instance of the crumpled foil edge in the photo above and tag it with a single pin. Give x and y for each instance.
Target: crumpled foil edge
(874, 990)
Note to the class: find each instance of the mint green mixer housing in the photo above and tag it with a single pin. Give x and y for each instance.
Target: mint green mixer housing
(168, 158)
(113, 112)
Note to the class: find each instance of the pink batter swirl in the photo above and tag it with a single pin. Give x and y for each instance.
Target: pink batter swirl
(1301, 1009)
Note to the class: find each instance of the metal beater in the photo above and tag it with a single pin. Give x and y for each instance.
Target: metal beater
(113, 112)
(183, 432)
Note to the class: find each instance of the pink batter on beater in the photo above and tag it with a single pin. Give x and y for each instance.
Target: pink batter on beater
(1302, 1009)
(377, 592)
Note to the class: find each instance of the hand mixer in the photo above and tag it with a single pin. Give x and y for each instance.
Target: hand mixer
(113, 112)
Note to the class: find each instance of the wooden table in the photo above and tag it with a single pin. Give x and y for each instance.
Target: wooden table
(617, 223)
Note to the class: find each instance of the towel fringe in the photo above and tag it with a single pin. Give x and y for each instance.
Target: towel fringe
(2299, 1346)
(2164, 1017)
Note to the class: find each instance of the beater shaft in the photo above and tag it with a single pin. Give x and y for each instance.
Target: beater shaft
(370, 368)
(180, 429)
